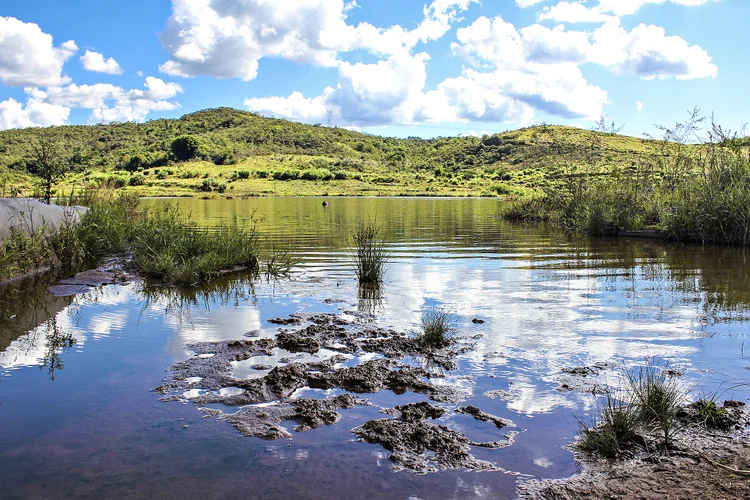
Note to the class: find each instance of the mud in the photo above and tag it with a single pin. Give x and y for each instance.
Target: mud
(113, 272)
(586, 379)
(264, 421)
(268, 400)
(703, 463)
(484, 417)
(421, 446)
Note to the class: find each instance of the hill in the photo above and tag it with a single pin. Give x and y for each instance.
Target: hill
(232, 152)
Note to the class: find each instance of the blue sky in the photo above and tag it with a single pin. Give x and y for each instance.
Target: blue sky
(404, 68)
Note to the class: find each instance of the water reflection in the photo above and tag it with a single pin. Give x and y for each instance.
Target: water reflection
(548, 302)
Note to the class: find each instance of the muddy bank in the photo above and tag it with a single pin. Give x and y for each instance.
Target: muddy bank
(112, 272)
(703, 463)
(424, 447)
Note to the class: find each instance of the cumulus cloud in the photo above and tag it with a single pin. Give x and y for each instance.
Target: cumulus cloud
(107, 103)
(646, 51)
(28, 56)
(527, 3)
(639, 107)
(94, 61)
(227, 38)
(13, 114)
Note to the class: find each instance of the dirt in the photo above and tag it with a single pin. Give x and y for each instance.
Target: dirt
(484, 417)
(421, 446)
(113, 272)
(703, 463)
(264, 421)
(586, 379)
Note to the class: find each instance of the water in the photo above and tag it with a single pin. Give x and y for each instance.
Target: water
(78, 418)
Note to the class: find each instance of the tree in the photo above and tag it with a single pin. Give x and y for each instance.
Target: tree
(186, 147)
(48, 164)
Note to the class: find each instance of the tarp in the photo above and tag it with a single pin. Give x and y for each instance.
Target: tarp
(29, 215)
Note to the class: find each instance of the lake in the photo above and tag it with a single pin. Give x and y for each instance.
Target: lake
(78, 416)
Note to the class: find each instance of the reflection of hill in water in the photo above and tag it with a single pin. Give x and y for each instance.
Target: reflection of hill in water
(25, 305)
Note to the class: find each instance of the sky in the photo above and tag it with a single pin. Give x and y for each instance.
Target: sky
(386, 67)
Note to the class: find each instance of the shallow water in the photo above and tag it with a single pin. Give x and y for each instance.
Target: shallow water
(78, 417)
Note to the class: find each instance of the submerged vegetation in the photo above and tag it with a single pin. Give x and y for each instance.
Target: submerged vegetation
(163, 244)
(370, 253)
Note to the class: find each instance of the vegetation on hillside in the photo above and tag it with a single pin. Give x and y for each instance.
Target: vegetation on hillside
(689, 192)
(223, 152)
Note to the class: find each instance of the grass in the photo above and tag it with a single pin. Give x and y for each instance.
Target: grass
(370, 253)
(164, 244)
(614, 431)
(437, 328)
(652, 402)
(697, 193)
(659, 399)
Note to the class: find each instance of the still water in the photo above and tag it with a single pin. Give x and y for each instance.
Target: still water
(78, 418)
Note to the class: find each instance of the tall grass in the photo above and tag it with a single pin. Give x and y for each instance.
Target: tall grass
(614, 430)
(370, 253)
(164, 244)
(436, 328)
(701, 193)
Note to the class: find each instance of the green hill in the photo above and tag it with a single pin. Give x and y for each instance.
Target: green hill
(239, 153)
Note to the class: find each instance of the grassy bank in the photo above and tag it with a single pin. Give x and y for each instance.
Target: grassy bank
(697, 193)
(164, 244)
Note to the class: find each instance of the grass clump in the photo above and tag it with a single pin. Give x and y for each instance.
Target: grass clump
(370, 253)
(171, 248)
(437, 328)
(614, 431)
(22, 253)
(659, 399)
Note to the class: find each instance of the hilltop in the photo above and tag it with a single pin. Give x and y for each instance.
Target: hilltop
(234, 152)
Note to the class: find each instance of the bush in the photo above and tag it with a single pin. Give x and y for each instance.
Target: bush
(136, 180)
(186, 147)
(285, 175)
(208, 185)
(614, 431)
(317, 174)
(243, 174)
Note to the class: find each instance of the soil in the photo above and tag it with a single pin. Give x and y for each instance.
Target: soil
(703, 463)
(113, 272)
(421, 446)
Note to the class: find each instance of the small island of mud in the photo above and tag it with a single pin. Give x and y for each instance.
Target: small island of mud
(336, 352)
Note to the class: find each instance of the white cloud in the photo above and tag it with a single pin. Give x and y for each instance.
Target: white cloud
(646, 51)
(639, 107)
(227, 38)
(577, 12)
(28, 56)
(94, 61)
(107, 103)
(649, 53)
(573, 12)
(34, 114)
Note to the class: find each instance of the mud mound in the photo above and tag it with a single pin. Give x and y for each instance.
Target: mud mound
(424, 447)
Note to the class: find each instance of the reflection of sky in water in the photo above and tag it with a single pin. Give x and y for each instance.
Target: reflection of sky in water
(546, 305)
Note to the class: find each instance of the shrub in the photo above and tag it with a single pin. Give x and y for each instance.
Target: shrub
(136, 180)
(285, 175)
(208, 185)
(243, 174)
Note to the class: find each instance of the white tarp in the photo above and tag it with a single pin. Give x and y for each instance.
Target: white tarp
(28, 215)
